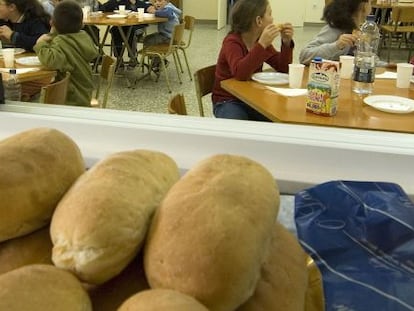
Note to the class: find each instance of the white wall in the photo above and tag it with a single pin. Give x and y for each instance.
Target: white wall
(294, 11)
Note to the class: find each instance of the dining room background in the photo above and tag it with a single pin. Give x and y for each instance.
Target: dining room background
(150, 96)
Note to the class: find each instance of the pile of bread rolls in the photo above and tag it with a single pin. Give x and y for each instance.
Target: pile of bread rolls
(130, 234)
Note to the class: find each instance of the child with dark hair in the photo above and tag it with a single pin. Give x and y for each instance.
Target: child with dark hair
(248, 45)
(22, 23)
(338, 37)
(69, 49)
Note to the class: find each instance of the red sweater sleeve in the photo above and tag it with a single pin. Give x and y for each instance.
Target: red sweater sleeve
(236, 61)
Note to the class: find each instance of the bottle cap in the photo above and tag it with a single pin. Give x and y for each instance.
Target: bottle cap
(371, 18)
(12, 71)
(317, 59)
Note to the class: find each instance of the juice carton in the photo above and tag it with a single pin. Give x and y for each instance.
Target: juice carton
(323, 87)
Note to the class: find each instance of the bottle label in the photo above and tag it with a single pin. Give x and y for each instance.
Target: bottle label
(366, 75)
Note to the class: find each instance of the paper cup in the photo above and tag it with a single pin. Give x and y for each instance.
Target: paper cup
(141, 13)
(86, 10)
(296, 75)
(404, 73)
(8, 57)
(347, 66)
(121, 8)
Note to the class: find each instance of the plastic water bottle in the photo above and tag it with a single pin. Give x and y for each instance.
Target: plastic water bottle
(365, 57)
(12, 87)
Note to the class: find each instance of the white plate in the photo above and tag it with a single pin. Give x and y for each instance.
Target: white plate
(28, 61)
(149, 15)
(271, 78)
(122, 12)
(117, 16)
(389, 103)
(16, 51)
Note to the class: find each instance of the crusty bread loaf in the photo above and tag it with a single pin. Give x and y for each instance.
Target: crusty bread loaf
(100, 224)
(161, 299)
(110, 295)
(37, 167)
(34, 248)
(211, 233)
(42, 288)
(284, 277)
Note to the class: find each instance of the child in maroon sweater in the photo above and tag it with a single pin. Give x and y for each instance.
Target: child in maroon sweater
(247, 46)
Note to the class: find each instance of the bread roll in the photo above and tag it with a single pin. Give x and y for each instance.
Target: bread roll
(211, 234)
(110, 295)
(36, 247)
(42, 288)
(100, 224)
(161, 299)
(37, 168)
(284, 277)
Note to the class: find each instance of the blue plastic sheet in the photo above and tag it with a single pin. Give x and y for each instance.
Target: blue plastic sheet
(361, 235)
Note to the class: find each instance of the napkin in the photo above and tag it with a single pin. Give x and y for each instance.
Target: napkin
(288, 92)
(19, 70)
(387, 75)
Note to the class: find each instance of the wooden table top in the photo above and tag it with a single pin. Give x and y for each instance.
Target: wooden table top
(131, 20)
(28, 76)
(389, 5)
(352, 112)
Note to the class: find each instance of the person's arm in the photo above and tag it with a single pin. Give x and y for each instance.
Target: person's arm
(167, 12)
(280, 60)
(243, 64)
(323, 45)
(51, 55)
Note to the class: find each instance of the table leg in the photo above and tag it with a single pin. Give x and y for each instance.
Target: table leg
(126, 44)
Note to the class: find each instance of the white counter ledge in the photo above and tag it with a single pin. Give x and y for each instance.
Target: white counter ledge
(297, 155)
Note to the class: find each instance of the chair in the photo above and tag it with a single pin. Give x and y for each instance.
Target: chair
(163, 51)
(176, 105)
(204, 82)
(189, 22)
(105, 75)
(400, 27)
(55, 93)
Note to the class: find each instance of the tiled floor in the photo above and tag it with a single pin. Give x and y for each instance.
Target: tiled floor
(151, 96)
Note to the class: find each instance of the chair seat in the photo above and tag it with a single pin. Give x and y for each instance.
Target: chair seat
(159, 48)
(391, 28)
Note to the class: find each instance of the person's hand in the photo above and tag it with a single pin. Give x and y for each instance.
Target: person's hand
(269, 33)
(345, 40)
(44, 38)
(287, 33)
(151, 9)
(5, 32)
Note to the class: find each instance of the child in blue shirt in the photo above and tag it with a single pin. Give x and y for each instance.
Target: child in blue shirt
(162, 8)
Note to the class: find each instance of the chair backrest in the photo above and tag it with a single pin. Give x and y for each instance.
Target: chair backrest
(55, 93)
(176, 105)
(204, 82)
(189, 22)
(402, 15)
(178, 34)
(106, 74)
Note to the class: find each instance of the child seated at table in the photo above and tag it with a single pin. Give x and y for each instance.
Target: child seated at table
(339, 35)
(136, 33)
(162, 8)
(247, 46)
(69, 49)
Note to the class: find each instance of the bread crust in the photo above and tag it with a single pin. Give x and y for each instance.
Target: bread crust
(34, 248)
(37, 167)
(100, 224)
(161, 299)
(40, 288)
(211, 233)
(284, 276)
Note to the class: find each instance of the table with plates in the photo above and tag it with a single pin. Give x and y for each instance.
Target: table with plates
(28, 67)
(118, 20)
(352, 112)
